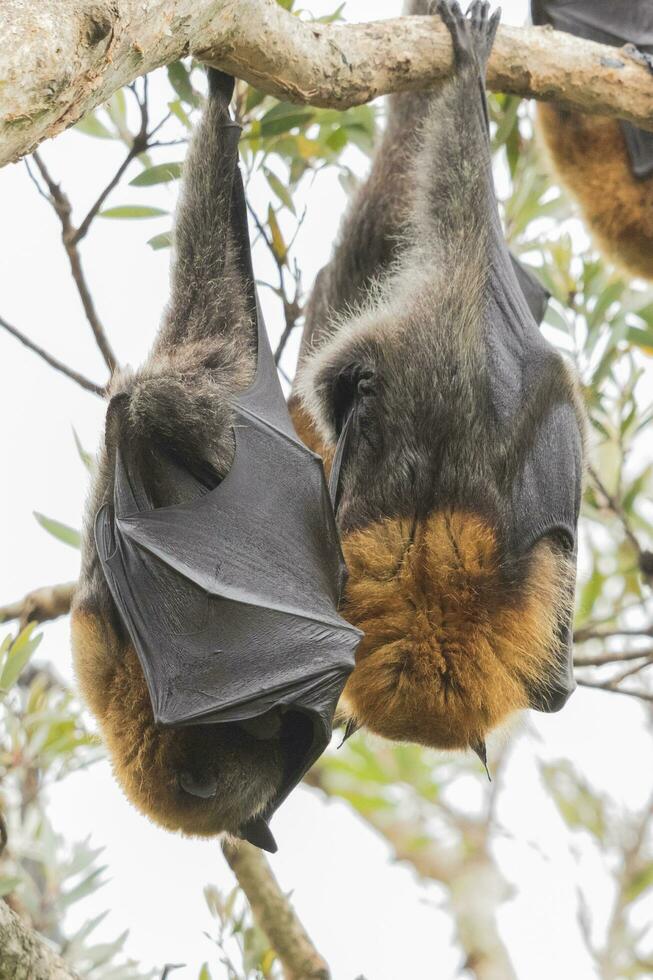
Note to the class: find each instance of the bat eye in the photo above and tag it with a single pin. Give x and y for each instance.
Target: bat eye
(204, 788)
(354, 386)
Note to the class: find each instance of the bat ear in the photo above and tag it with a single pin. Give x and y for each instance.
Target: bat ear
(258, 833)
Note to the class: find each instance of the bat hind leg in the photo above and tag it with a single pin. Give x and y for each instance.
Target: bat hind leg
(472, 34)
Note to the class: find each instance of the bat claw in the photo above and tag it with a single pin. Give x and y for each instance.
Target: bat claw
(480, 749)
(258, 833)
(472, 34)
(351, 728)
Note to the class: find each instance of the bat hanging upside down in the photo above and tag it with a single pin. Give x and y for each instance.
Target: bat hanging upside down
(205, 629)
(457, 431)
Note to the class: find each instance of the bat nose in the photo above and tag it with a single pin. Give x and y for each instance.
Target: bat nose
(205, 787)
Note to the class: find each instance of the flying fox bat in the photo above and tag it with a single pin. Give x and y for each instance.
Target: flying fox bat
(455, 429)
(606, 164)
(206, 633)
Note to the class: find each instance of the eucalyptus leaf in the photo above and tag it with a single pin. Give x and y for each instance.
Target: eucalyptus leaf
(60, 531)
(133, 211)
(162, 173)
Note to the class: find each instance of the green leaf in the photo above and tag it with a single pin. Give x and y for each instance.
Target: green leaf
(178, 110)
(283, 117)
(17, 656)
(87, 458)
(132, 211)
(204, 973)
(253, 99)
(164, 240)
(86, 887)
(179, 78)
(330, 18)
(90, 125)
(163, 173)
(278, 245)
(282, 192)
(8, 885)
(639, 883)
(641, 338)
(58, 530)
(116, 108)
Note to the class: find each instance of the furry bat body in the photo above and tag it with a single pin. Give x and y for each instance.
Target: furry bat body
(205, 630)
(458, 431)
(605, 164)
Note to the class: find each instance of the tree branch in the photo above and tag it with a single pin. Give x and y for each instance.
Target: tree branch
(606, 686)
(64, 58)
(602, 659)
(69, 237)
(274, 913)
(75, 376)
(41, 605)
(23, 953)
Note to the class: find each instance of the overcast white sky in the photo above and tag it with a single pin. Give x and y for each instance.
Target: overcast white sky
(365, 914)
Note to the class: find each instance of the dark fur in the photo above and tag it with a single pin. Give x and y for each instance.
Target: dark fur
(458, 626)
(177, 405)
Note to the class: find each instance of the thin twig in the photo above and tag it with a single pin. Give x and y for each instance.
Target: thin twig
(603, 659)
(32, 177)
(274, 913)
(63, 209)
(292, 309)
(4, 837)
(642, 695)
(630, 672)
(589, 633)
(75, 376)
(86, 223)
(616, 508)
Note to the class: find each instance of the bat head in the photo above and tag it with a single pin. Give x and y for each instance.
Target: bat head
(458, 502)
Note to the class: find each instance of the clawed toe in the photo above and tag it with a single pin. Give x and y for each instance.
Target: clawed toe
(472, 34)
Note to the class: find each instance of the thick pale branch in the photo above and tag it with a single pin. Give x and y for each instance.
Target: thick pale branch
(23, 953)
(274, 913)
(41, 605)
(63, 57)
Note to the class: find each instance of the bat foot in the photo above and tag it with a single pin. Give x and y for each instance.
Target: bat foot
(472, 34)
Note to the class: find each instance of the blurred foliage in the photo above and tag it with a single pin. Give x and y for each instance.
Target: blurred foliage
(244, 950)
(42, 876)
(407, 794)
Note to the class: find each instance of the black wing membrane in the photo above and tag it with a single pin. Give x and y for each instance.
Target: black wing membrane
(544, 478)
(252, 570)
(613, 22)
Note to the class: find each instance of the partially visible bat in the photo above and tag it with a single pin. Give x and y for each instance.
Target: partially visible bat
(455, 430)
(607, 164)
(206, 633)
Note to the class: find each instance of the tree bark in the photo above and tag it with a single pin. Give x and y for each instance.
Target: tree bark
(41, 605)
(24, 955)
(60, 58)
